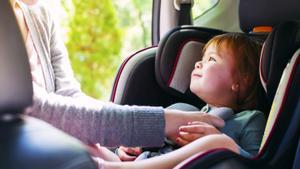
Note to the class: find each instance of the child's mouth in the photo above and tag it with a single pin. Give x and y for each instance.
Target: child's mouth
(197, 75)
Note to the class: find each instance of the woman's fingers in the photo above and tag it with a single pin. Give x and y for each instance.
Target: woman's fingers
(195, 122)
(212, 120)
(98, 151)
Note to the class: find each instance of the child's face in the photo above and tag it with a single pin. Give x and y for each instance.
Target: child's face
(212, 77)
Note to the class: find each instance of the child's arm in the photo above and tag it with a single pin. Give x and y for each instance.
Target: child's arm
(173, 158)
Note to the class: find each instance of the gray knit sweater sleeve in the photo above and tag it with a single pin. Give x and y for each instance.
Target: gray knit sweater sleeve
(93, 121)
(64, 105)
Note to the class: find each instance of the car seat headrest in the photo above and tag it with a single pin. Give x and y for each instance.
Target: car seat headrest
(15, 77)
(176, 55)
(277, 50)
(254, 13)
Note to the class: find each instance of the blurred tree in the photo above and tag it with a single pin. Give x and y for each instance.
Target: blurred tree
(94, 44)
(143, 13)
(135, 19)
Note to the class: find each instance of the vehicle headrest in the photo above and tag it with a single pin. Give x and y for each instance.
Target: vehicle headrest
(15, 76)
(176, 55)
(278, 49)
(253, 13)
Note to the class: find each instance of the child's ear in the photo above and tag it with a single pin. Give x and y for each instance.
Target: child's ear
(235, 87)
(242, 84)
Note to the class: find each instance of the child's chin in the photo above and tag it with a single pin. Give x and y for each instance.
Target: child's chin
(194, 89)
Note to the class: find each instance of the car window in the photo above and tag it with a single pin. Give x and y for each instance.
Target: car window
(99, 35)
(202, 6)
(135, 17)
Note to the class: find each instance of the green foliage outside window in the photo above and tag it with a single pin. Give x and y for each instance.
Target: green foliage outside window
(100, 34)
(94, 44)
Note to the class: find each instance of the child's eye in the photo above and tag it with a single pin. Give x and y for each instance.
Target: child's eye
(211, 59)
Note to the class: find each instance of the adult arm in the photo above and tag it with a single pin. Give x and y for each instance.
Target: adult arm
(94, 121)
(66, 107)
(176, 123)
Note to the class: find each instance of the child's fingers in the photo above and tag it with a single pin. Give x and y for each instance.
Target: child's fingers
(181, 141)
(135, 151)
(192, 128)
(124, 156)
(189, 137)
(132, 150)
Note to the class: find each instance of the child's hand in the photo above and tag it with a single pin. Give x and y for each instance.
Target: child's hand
(128, 153)
(193, 131)
(176, 118)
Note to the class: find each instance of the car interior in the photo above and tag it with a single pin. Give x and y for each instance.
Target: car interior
(159, 76)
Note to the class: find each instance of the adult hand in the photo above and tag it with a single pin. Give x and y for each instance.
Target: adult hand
(193, 131)
(175, 119)
(128, 153)
(98, 151)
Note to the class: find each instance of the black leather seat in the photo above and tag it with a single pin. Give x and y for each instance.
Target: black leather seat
(25, 142)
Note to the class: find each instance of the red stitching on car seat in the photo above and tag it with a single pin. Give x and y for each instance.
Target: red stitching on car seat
(113, 94)
(199, 156)
(281, 107)
(262, 76)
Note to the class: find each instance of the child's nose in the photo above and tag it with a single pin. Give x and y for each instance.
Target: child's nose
(198, 65)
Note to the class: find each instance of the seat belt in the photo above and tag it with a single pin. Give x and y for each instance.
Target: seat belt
(185, 15)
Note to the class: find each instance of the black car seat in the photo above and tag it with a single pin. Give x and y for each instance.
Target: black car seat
(281, 50)
(297, 156)
(281, 136)
(151, 76)
(25, 142)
